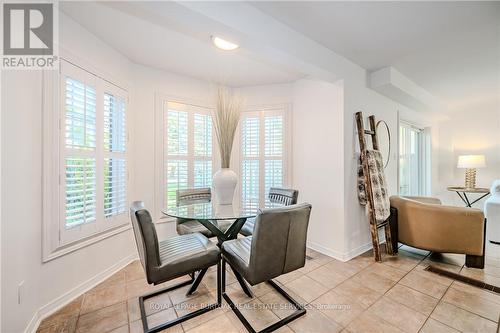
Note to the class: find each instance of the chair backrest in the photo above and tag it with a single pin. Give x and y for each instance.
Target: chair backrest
(145, 238)
(193, 195)
(284, 196)
(279, 241)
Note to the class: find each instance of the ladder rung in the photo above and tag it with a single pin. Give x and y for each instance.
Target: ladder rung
(369, 132)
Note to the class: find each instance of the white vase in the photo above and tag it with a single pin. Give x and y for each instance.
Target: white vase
(224, 184)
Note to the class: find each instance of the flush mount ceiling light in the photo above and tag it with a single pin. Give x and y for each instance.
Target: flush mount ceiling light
(224, 44)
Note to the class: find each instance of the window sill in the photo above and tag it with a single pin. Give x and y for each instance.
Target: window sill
(63, 250)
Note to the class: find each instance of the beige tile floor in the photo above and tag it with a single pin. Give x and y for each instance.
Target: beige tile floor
(397, 295)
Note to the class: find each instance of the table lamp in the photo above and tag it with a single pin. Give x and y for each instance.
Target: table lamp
(471, 163)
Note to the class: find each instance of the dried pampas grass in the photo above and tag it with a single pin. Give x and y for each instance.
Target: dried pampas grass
(226, 118)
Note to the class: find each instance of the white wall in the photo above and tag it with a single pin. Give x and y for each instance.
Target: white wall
(22, 193)
(468, 131)
(318, 151)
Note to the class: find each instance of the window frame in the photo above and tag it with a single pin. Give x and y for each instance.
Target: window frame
(424, 157)
(263, 111)
(56, 239)
(161, 101)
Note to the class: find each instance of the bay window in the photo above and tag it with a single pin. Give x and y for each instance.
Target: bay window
(187, 154)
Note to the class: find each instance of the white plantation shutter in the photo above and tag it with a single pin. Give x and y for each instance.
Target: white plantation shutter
(202, 174)
(93, 163)
(115, 171)
(115, 187)
(188, 148)
(250, 183)
(262, 154)
(250, 168)
(80, 110)
(273, 142)
(80, 192)
(79, 145)
(177, 179)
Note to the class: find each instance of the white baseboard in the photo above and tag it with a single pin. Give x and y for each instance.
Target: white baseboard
(66, 298)
(326, 251)
(357, 251)
(346, 256)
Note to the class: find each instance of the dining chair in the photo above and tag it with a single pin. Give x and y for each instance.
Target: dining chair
(284, 196)
(192, 196)
(169, 259)
(278, 246)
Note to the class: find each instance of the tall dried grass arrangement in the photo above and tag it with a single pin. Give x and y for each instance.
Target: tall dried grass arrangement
(226, 118)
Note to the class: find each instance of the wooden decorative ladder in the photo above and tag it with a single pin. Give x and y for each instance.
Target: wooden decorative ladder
(374, 226)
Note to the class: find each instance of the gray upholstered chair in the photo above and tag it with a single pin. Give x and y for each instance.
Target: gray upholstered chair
(191, 196)
(278, 246)
(171, 258)
(276, 195)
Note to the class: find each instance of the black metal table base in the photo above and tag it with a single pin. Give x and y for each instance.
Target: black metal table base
(222, 236)
(466, 199)
(296, 314)
(188, 316)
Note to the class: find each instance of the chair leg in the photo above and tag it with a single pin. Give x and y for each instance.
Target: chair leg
(474, 261)
(223, 275)
(273, 327)
(179, 320)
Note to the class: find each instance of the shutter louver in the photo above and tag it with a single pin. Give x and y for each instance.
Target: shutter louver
(250, 184)
(115, 172)
(80, 107)
(177, 179)
(177, 133)
(202, 135)
(115, 187)
(80, 191)
(250, 168)
(202, 174)
(273, 127)
(114, 124)
(273, 141)
(80, 138)
(250, 136)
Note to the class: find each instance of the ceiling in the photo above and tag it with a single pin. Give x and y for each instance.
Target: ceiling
(451, 49)
(144, 37)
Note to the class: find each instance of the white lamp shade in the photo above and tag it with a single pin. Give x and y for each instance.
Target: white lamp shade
(471, 161)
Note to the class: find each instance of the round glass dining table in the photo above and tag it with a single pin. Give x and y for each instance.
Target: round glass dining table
(215, 217)
(224, 221)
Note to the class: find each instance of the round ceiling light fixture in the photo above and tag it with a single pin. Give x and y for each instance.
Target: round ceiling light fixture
(224, 44)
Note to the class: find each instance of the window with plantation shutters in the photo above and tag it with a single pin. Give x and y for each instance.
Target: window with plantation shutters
(188, 137)
(93, 155)
(262, 154)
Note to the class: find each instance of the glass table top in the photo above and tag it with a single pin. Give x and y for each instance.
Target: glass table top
(213, 211)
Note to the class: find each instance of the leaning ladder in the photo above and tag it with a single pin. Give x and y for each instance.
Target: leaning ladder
(374, 226)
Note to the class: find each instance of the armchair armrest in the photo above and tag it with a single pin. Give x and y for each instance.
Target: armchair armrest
(427, 200)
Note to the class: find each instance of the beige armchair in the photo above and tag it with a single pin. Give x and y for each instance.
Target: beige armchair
(424, 223)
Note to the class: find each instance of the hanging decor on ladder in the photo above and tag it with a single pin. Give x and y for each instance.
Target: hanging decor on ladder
(372, 185)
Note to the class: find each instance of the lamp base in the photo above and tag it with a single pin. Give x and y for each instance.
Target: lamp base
(470, 178)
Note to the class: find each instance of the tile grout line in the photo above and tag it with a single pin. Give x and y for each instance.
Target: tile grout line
(411, 270)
